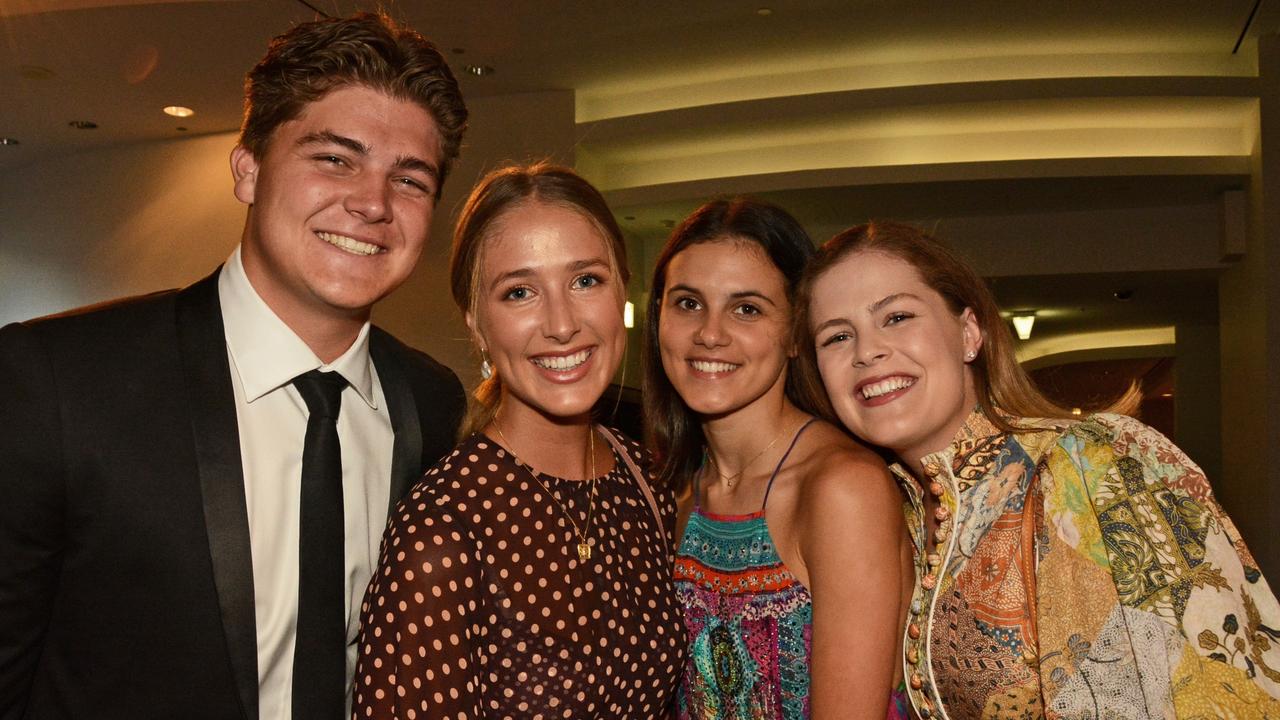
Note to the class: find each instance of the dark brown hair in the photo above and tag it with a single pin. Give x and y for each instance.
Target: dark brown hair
(503, 191)
(1002, 387)
(308, 61)
(673, 431)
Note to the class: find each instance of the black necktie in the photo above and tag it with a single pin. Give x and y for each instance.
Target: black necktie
(320, 649)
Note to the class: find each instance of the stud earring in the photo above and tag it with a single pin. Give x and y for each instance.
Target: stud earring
(970, 355)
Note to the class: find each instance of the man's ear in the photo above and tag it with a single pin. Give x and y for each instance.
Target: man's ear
(244, 170)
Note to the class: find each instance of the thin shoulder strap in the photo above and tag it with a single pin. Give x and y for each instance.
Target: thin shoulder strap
(795, 439)
(638, 475)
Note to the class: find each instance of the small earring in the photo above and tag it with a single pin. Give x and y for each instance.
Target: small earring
(970, 355)
(486, 370)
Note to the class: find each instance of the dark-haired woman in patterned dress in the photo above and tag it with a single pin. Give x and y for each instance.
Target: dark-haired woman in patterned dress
(528, 574)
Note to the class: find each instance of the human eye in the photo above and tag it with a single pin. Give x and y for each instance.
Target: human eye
(331, 160)
(747, 309)
(896, 317)
(412, 185)
(686, 303)
(518, 293)
(835, 339)
(589, 280)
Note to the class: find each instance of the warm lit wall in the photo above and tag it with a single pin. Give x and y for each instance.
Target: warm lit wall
(92, 226)
(1250, 321)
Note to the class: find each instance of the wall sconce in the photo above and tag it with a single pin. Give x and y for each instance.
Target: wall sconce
(629, 315)
(1022, 325)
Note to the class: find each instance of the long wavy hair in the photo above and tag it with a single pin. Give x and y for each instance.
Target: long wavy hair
(673, 431)
(1004, 390)
(504, 191)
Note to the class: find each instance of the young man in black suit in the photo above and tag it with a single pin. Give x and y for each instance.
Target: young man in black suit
(188, 517)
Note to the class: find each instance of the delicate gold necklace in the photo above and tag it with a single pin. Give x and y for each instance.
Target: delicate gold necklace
(730, 480)
(584, 547)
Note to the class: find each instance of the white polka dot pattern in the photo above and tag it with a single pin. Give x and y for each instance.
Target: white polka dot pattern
(480, 608)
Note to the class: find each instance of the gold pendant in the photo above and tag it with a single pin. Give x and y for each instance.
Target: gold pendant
(584, 552)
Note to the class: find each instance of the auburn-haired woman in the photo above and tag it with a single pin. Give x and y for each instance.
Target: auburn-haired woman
(527, 575)
(1067, 567)
(794, 570)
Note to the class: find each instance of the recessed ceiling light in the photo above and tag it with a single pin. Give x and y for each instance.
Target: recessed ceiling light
(8, 141)
(479, 70)
(83, 124)
(179, 111)
(764, 11)
(1123, 295)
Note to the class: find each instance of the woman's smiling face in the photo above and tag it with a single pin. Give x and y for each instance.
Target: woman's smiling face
(724, 327)
(892, 354)
(549, 310)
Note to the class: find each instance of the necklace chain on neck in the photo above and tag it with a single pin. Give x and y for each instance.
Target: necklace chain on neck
(731, 480)
(584, 546)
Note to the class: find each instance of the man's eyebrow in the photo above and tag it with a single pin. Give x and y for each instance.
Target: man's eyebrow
(325, 137)
(410, 162)
(888, 299)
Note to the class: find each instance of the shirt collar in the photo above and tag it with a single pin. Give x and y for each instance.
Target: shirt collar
(266, 353)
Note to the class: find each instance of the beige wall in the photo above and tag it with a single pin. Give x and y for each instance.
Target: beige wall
(138, 218)
(1250, 325)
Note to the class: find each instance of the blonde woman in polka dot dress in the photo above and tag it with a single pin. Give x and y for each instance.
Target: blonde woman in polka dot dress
(528, 574)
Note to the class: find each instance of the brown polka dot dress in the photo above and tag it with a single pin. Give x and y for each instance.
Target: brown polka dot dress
(480, 607)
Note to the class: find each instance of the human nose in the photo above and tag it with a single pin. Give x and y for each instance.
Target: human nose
(560, 321)
(368, 199)
(870, 350)
(711, 332)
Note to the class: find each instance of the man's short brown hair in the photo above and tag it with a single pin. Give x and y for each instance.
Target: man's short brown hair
(305, 63)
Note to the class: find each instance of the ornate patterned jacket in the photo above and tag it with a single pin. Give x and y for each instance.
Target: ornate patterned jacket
(1083, 570)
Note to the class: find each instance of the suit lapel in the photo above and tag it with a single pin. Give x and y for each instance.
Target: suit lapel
(217, 441)
(406, 456)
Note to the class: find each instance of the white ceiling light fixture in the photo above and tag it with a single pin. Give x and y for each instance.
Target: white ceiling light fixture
(629, 315)
(179, 111)
(1022, 325)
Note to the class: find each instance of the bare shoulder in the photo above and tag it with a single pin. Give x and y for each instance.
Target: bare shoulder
(845, 479)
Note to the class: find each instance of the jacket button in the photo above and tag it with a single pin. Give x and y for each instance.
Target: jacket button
(913, 631)
(928, 581)
(916, 682)
(913, 656)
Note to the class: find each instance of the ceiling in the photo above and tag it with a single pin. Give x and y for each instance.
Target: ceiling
(840, 111)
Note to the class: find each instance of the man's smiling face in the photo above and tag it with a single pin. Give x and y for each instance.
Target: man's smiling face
(341, 204)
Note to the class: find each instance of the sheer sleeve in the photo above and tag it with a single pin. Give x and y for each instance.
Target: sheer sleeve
(1148, 597)
(419, 636)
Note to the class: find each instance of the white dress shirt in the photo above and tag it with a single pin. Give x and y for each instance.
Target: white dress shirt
(265, 357)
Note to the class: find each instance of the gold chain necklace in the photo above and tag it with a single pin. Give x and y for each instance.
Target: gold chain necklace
(584, 547)
(730, 480)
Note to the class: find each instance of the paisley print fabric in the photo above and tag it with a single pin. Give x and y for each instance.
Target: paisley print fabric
(748, 620)
(1090, 574)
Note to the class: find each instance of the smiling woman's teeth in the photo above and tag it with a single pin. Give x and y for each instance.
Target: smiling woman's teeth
(886, 386)
(351, 245)
(712, 367)
(564, 362)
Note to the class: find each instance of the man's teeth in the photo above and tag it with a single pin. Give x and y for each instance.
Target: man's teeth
(886, 386)
(351, 245)
(712, 367)
(564, 362)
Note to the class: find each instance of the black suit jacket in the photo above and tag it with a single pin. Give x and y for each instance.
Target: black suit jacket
(126, 585)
